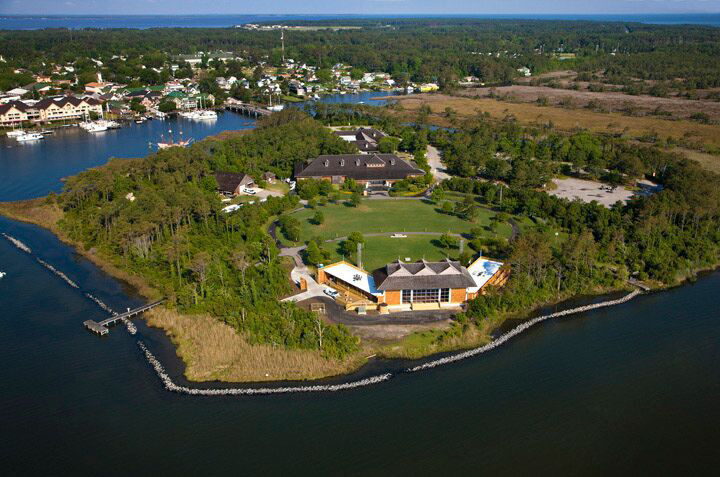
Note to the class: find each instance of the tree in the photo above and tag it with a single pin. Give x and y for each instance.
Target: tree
(448, 241)
(437, 195)
(314, 253)
(318, 218)
(200, 266)
(388, 145)
(355, 199)
(166, 106)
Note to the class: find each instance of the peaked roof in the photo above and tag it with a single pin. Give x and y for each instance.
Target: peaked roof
(229, 181)
(361, 167)
(423, 274)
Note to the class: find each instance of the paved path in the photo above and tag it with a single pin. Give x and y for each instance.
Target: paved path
(383, 234)
(436, 166)
(337, 314)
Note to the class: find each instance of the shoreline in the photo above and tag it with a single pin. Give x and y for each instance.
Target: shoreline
(30, 211)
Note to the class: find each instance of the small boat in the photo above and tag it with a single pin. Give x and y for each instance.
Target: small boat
(47, 132)
(30, 137)
(163, 144)
(96, 127)
(2, 274)
(276, 108)
(15, 133)
(140, 120)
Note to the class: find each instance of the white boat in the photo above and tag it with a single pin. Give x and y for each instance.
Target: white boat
(2, 274)
(187, 114)
(96, 127)
(163, 144)
(277, 107)
(110, 124)
(30, 137)
(15, 133)
(206, 114)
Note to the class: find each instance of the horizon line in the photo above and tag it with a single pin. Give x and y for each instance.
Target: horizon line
(350, 14)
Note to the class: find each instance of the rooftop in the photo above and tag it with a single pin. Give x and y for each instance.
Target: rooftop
(361, 167)
(422, 275)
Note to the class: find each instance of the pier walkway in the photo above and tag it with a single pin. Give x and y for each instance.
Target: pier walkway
(246, 108)
(101, 327)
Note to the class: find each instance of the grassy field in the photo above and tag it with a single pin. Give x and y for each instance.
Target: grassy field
(386, 216)
(563, 119)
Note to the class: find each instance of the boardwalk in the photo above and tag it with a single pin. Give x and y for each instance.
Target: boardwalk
(101, 327)
(249, 109)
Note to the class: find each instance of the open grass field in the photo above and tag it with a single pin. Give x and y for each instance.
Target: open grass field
(563, 119)
(387, 216)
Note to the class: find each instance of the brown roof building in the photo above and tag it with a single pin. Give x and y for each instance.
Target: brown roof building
(232, 183)
(368, 169)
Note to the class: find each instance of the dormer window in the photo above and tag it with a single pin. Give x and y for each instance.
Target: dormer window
(327, 163)
(342, 162)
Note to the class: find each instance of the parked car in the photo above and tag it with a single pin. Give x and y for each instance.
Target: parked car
(398, 236)
(249, 191)
(331, 293)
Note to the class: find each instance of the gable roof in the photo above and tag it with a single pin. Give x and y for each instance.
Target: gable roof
(423, 274)
(19, 105)
(361, 167)
(229, 181)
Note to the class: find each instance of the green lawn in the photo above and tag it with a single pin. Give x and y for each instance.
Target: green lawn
(379, 251)
(375, 216)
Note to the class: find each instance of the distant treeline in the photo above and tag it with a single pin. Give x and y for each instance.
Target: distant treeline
(440, 50)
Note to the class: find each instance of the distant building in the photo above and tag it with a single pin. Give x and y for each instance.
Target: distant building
(366, 139)
(367, 169)
(231, 183)
(14, 112)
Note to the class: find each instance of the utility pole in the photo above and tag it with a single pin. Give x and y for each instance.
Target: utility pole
(359, 255)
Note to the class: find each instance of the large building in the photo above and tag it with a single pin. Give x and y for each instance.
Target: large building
(49, 109)
(366, 169)
(231, 183)
(423, 285)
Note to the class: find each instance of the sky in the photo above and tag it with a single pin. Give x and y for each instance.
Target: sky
(178, 7)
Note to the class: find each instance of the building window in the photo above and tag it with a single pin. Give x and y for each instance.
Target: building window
(429, 295)
(444, 295)
(407, 296)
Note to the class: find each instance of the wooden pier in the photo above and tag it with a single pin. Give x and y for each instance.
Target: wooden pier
(249, 109)
(101, 327)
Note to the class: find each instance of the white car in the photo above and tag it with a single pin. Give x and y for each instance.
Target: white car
(398, 236)
(331, 293)
(249, 191)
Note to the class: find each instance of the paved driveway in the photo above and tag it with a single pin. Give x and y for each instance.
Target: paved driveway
(436, 166)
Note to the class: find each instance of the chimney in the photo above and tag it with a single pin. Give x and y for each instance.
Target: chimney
(357, 162)
(342, 162)
(392, 162)
(327, 163)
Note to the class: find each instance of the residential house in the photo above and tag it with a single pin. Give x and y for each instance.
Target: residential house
(366, 139)
(67, 107)
(14, 112)
(231, 183)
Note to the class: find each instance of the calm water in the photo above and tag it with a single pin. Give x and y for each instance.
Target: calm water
(631, 389)
(34, 22)
(32, 169)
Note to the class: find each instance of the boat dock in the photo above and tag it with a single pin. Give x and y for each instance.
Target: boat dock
(101, 327)
(249, 109)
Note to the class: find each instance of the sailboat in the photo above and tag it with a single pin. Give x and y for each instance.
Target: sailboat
(163, 144)
(277, 107)
(204, 114)
(15, 132)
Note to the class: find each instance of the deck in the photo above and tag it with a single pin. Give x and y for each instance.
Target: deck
(101, 327)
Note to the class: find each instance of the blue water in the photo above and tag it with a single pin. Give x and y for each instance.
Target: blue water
(34, 22)
(32, 169)
(633, 389)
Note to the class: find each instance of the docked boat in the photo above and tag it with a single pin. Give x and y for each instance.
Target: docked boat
(15, 133)
(2, 274)
(96, 127)
(30, 137)
(276, 108)
(204, 115)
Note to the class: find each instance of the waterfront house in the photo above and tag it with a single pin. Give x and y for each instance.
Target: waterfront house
(14, 112)
(366, 169)
(231, 183)
(423, 285)
(67, 107)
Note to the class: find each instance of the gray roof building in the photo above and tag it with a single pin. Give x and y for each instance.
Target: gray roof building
(422, 275)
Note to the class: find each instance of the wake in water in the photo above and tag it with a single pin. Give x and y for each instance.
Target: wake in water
(17, 243)
(171, 386)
